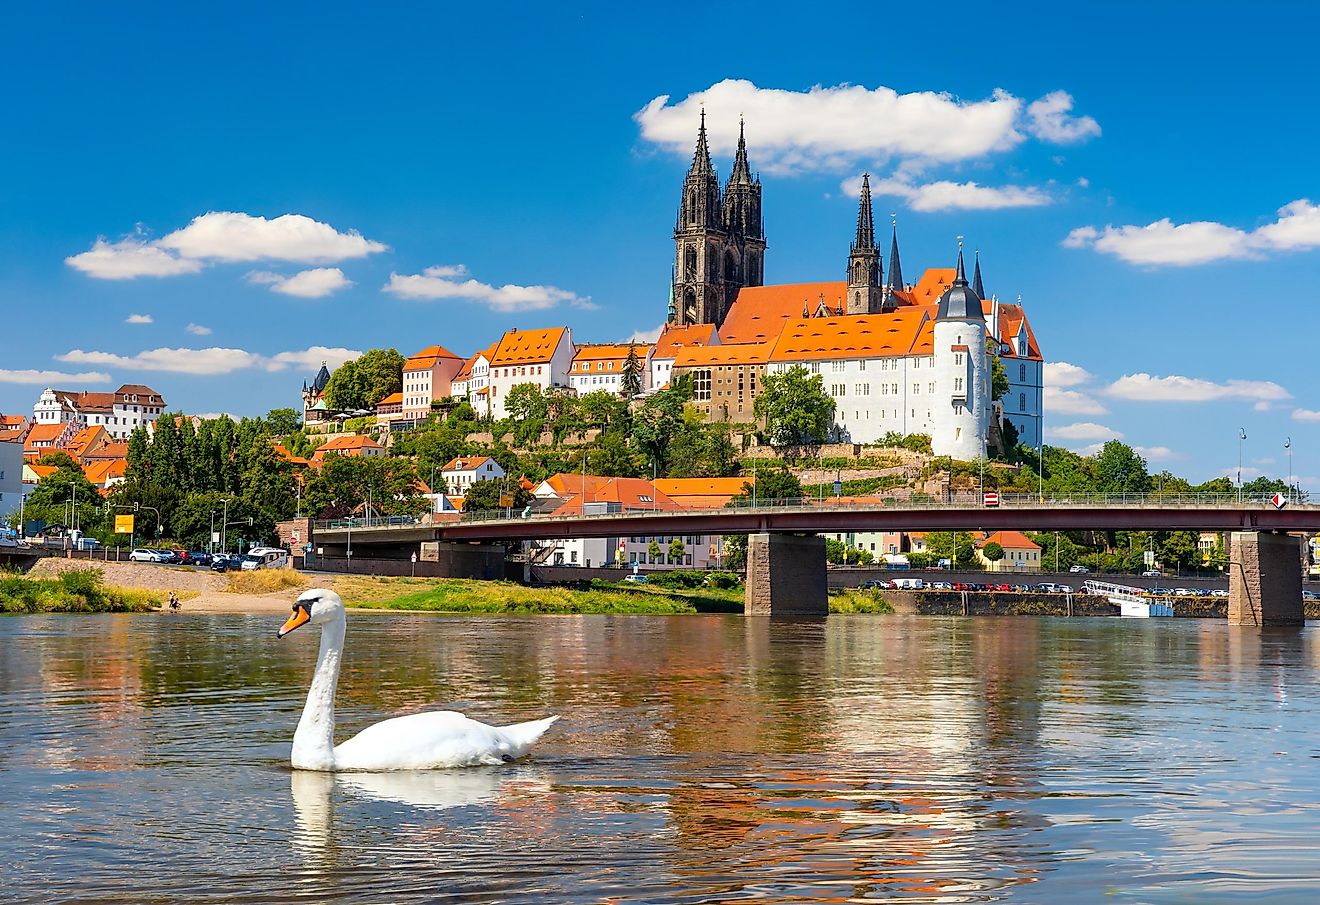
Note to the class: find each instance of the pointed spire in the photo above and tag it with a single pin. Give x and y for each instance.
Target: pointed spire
(673, 307)
(865, 240)
(976, 277)
(701, 156)
(742, 173)
(895, 266)
(960, 278)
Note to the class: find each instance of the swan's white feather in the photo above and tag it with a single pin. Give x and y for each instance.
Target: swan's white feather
(420, 741)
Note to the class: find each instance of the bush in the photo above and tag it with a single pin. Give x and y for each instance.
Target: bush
(80, 591)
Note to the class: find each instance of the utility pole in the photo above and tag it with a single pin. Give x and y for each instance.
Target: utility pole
(224, 528)
(1242, 435)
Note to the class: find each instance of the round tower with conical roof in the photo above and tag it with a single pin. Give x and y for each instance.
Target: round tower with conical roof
(960, 414)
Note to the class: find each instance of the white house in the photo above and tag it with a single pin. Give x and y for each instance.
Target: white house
(672, 339)
(539, 357)
(463, 472)
(473, 381)
(602, 367)
(129, 407)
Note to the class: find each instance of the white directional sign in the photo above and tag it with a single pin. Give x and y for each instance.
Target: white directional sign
(1149, 557)
(1279, 500)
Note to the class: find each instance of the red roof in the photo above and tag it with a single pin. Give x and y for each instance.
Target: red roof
(1011, 540)
(428, 358)
(759, 312)
(672, 338)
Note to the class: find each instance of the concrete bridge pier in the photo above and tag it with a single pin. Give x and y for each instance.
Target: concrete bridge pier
(786, 575)
(1264, 579)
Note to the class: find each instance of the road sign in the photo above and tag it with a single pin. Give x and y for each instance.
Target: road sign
(506, 499)
(1149, 557)
(123, 524)
(1279, 500)
(991, 498)
(215, 537)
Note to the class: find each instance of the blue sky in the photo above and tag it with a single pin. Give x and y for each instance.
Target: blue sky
(1141, 180)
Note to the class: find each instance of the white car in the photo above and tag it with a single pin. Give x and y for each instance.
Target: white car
(144, 555)
(265, 558)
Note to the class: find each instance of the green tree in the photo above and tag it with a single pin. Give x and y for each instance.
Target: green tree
(676, 550)
(771, 484)
(993, 551)
(365, 381)
(998, 378)
(528, 409)
(1119, 469)
(602, 409)
(484, 496)
(344, 484)
(653, 550)
(657, 421)
(65, 497)
(735, 551)
(283, 421)
(631, 384)
(795, 407)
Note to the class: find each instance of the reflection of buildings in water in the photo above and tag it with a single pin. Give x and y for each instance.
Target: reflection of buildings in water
(1006, 653)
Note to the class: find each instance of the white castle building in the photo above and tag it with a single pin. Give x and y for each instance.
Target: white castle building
(129, 407)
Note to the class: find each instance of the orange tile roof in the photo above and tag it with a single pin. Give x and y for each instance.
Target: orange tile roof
(427, 358)
(283, 452)
(106, 470)
(43, 471)
(851, 336)
(672, 338)
(607, 352)
(1011, 540)
(628, 493)
(13, 420)
(702, 493)
(43, 433)
(520, 347)
(465, 463)
(723, 354)
(341, 443)
(932, 285)
(567, 484)
(1011, 318)
(117, 449)
(392, 399)
(759, 312)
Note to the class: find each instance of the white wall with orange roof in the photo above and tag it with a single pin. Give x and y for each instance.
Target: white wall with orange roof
(539, 357)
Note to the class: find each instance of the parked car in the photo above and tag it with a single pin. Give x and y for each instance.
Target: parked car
(636, 579)
(142, 554)
(942, 586)
(1151, 573)
(875, 584)
(1063, 589)
(1046, 587)
(226, 562)
(1079, 569)
(199, 558)
(265, 558)
(1219, 592)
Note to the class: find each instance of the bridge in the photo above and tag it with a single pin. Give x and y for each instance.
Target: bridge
(786, 555)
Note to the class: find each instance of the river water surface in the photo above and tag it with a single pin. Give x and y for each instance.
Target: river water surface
(143, 759)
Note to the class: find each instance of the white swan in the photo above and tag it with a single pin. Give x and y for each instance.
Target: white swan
(420, 741)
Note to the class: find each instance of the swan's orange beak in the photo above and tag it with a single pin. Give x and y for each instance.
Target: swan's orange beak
(301, 616)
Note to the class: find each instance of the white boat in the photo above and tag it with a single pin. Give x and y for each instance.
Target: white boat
(1131, 602)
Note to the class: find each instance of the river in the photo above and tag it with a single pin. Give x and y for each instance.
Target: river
(143, 759)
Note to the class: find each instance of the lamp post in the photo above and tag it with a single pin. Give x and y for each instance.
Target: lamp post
(1287, 444)
(224, 528)
(1242, 435)
(1040, 470)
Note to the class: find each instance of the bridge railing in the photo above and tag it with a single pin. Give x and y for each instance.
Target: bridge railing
(962, 500)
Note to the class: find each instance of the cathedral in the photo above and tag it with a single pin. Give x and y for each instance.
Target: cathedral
(900, 357)
(719, 239)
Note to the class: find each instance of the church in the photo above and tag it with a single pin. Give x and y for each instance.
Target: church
(896, 357)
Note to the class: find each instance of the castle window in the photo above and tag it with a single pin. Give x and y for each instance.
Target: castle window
(957, 358)
(1022, 402)
(1022, 373)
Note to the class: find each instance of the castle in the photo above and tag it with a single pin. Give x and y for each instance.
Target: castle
(899, 357)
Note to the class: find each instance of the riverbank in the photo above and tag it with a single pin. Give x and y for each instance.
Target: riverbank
(74, 591)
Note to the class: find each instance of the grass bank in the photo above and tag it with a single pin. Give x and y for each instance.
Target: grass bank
(265, 581)
(854, 601)
(80, 591)
(458, 595)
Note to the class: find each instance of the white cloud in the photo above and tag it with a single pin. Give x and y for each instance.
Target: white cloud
(1297, 227)
(837, 126)
(645, 336)
(234, 236)
(1264, 461)
(308, 284)
(198, 330)
(1305, 415)
(128, 258)
(178, 361)
(1156, 453)
(446, 282)
(210, 361)
(1048, 120)
(311, 358)
(1071, 402)
(1146, 388)
(1084, 430)
(945, 195)
(223, 236)
(51, 378)
(139, 319)
(1064, 374)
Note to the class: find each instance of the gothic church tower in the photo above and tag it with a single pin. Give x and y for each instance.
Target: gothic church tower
(719, 238)
(865, 288)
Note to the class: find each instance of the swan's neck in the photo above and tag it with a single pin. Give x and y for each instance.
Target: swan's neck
(314, 740)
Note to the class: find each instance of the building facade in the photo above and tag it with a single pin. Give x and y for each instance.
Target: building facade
(127, 408)
(538, 357)
(719, 237)
(603, 367)
(725, 378)
(427, 378)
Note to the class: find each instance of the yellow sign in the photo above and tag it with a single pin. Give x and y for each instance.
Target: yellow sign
(123, 524)
(506, 499)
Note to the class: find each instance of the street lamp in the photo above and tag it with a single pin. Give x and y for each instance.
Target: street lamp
(1287, 444)
(1242, 435)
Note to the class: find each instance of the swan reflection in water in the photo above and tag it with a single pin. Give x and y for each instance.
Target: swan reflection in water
(315, 797)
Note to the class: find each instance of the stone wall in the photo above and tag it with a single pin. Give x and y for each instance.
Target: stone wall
(1264, 579)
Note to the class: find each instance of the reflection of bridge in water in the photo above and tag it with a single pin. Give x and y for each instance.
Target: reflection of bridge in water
(786, 555)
